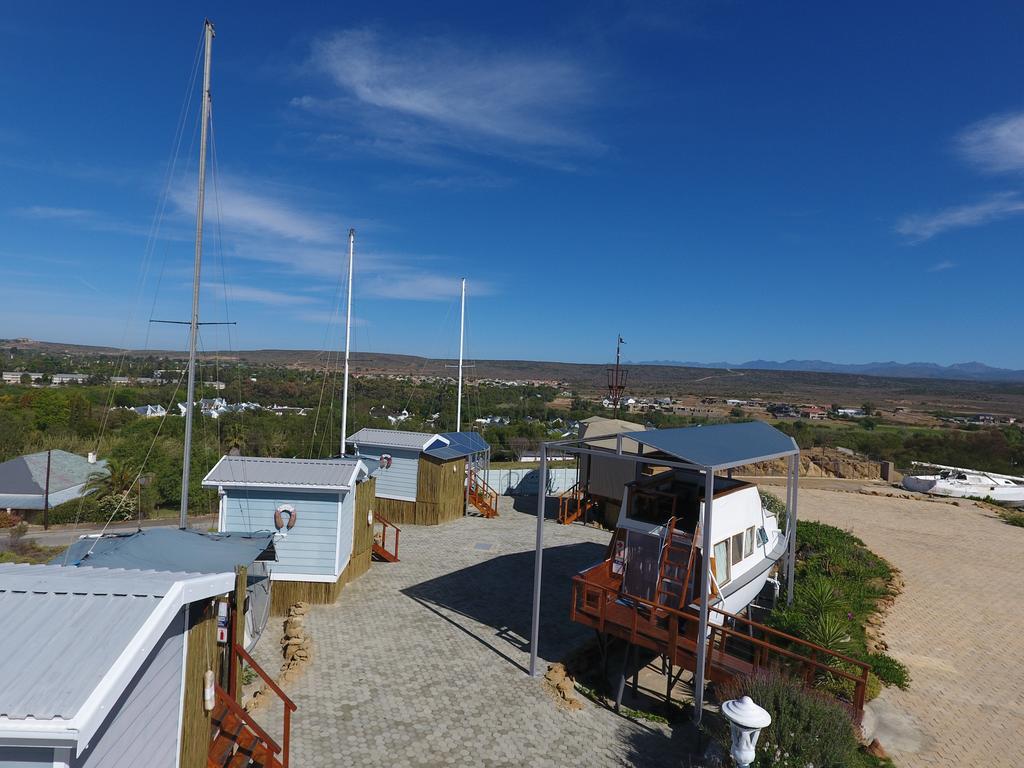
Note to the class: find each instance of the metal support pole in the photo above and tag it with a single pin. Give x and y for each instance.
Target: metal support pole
(791, 526)
(790, 461)
(197, 271)
(348, 339)
(538, 558)
(705, 595)
(462, 338)
(46, 493)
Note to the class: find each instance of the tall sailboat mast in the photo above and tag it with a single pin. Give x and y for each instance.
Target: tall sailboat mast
(462, 338)
(194, 324)
(348, 339)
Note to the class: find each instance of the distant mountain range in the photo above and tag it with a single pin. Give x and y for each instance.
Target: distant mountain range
(957, 371)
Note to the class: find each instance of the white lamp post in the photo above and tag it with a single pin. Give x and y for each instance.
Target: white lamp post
(746, 720)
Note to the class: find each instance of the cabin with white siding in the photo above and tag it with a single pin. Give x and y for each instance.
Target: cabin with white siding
(421, 476)
(114, 657)
(323, 535)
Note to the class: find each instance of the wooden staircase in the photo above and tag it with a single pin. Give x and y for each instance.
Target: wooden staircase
(482, 496)
(381, 551)
(574, 504)
(677, 555)
(236, 739)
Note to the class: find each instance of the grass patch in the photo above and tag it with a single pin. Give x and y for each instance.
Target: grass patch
(1012, 517)
(17, 549)
(840, 586)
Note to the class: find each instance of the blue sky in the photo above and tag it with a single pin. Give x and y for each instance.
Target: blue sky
(716, 181)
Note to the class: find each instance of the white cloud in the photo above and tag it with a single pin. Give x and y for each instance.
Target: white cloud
(941, 266)
(253, 295)
(920, 227)
(242, 208)
(419, 286)
(995, 144)
(413, 96)
(86, 218)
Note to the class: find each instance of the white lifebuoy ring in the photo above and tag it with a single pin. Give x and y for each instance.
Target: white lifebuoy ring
(385, 461)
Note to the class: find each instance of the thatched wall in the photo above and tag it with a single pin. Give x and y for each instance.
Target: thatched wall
(362, 531)
(203, 653)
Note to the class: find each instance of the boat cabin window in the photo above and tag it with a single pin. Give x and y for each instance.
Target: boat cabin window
(736, 553)
(720, 563)
(748, 542)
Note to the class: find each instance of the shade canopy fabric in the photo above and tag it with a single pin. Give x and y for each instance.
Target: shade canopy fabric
(719, 446)
(171, 549)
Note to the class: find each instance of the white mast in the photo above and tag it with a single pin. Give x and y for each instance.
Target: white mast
(194, 324)
(348, 338)
(462, 338)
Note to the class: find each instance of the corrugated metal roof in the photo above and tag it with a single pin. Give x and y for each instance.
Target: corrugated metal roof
(393, 438)
(291, 473)
(63, 630)
(598, 426)
(27, 474)
(170, 549)
(720, 446)
(459, 444)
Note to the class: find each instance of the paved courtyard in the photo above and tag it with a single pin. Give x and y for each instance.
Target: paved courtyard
(958, 626)
(423, 662)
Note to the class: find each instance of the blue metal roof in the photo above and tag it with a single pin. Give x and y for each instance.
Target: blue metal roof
(170, 549)
(459, 444)
(719, 446)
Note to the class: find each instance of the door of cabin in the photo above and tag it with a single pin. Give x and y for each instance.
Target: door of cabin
(643, 560)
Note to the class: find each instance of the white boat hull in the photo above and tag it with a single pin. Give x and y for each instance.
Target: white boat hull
(936, 485)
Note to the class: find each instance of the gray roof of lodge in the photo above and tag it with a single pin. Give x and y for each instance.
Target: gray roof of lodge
(64, 628)
(319, 474)
(27, 474)
(169, 549)
(392, 438)
(720, 446)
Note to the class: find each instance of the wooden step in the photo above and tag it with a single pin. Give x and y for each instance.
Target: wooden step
(382, 554)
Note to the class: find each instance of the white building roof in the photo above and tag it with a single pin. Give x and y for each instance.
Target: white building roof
(395, 438)
(305, 474)
(74, 638)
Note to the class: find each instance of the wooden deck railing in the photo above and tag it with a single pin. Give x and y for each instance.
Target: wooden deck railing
(599, 602)
(380, 538)
(482, 496)
(573, 503)
(239, 711)
(289, 706)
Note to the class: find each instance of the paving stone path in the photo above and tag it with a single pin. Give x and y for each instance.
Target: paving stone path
(958, 626)
(423, 662)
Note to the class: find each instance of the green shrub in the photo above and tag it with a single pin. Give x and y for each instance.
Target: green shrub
(1013, 517)
(774, 504)
(845, 688)
(818, 596)
(889, 670)
(83, 510)
(807, 727)
(828, 631)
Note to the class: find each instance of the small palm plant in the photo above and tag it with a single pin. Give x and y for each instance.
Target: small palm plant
(118, 479)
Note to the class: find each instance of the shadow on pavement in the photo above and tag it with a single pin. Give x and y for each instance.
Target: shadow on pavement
(499, 594)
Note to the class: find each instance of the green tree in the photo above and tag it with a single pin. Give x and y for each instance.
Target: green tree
(117, 480)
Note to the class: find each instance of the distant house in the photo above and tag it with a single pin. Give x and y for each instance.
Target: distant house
(813, 412)
(853, 413)
(69, 378)
(421, 476)
(14, 377)
(150, 411)
(23, 480)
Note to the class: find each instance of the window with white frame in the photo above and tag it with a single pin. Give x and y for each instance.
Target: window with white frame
(720, 562)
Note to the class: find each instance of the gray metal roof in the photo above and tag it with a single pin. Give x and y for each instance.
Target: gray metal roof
(171, 549)
(250, 471)
(720, 446)
(393, 438)
(64, 628)
(27, 474)
(459, 444)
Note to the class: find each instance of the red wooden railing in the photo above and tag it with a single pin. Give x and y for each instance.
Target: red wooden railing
(289, 705)
(598, 602)
(573, 504)
(380, 539)
(482, 496)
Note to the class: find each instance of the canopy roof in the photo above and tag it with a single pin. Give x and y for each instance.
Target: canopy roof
(720, 446)
(171, 549)
(460, 444)
(396, 438)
